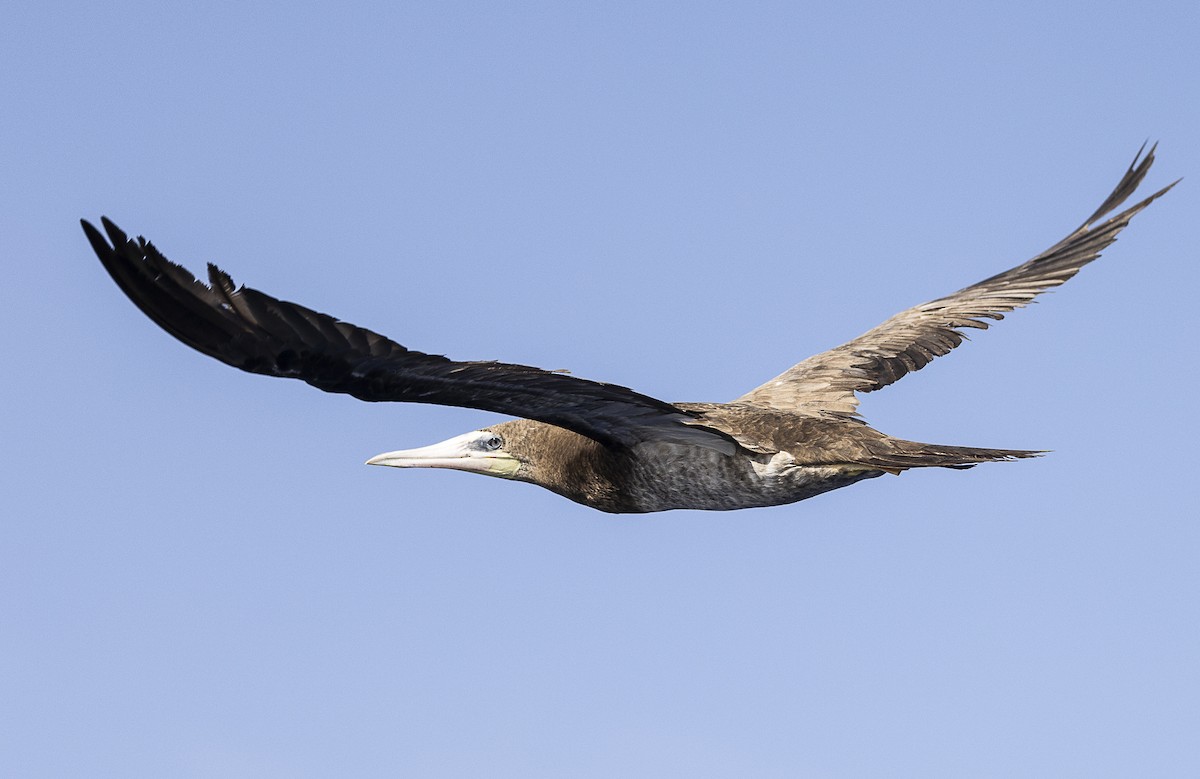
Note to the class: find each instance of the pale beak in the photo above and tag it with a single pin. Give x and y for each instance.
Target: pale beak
(461, 453)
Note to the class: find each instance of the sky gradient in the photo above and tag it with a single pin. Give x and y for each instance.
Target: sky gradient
(199, 577)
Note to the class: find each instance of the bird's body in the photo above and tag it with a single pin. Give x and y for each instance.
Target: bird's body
(663, 476)
(660, 477)
(606, 446)
(781, 458)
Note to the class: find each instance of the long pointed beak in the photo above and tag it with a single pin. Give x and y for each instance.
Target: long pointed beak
(460, 453)
(442, 455)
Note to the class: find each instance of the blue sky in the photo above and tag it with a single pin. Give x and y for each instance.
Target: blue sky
(198, 576)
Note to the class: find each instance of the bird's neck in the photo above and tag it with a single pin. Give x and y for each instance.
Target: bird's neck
(582, 470)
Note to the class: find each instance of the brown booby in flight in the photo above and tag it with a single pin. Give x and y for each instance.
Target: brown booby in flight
(603, 445)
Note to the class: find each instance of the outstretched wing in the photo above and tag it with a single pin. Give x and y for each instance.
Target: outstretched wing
(911, 339)
(255, 332)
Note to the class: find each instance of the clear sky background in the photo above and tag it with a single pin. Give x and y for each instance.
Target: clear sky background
(199, 577)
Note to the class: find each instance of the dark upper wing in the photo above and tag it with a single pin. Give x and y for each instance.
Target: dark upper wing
(911, 339)
(253, 331)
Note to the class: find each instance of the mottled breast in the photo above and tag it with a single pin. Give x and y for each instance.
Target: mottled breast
(671, 476)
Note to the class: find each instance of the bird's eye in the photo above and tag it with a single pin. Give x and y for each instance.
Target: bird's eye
(493, 443)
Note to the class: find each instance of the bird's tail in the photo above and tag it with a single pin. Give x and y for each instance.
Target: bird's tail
(901, 455)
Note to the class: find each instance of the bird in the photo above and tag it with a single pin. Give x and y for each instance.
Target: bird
(607, 446)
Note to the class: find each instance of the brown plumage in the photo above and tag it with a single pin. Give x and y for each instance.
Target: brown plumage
(604, 445)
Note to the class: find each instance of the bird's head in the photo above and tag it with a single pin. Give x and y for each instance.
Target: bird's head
(521, 449)
(480, 451)
(567, 463)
